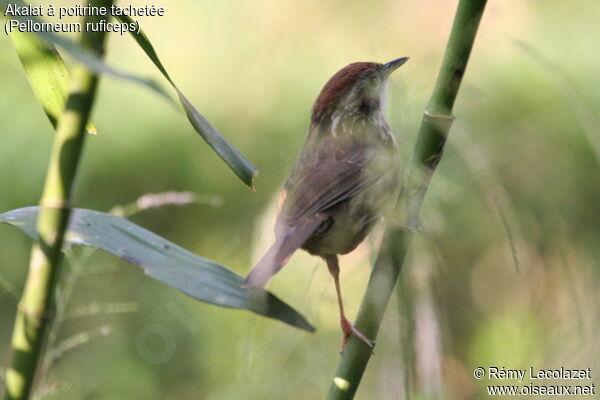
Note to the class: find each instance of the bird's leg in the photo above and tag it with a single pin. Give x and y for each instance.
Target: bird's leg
(347, 327)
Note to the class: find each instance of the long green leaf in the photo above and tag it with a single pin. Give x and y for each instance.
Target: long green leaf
(164, 261)
(46, 72)
(239, 164)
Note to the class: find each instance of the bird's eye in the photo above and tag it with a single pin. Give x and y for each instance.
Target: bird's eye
(368, 105)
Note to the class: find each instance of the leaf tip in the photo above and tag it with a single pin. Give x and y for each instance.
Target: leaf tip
(252, 186)
(91, 128)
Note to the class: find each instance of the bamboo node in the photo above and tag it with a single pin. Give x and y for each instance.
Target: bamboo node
(449, 117)
(30, 312)
(55, 203)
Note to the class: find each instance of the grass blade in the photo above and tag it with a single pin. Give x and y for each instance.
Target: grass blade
(239, 164)
(166, 262)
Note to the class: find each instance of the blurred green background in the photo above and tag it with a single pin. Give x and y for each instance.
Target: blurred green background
(504, 272)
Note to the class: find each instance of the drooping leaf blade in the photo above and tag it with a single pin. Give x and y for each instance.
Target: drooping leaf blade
(165, 261)
(239, 164)
(46, 72)
(144, 42)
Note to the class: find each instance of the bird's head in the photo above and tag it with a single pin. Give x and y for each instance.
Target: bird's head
(357, 89)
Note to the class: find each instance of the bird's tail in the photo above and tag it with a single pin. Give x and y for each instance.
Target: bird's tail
(280, 252)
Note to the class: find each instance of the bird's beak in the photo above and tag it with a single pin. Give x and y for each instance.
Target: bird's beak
(390, 67)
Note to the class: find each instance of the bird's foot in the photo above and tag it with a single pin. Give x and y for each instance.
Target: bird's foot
(349, 329)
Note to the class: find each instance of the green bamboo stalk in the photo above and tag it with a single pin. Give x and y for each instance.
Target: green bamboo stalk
(428, 151)
(36, 308)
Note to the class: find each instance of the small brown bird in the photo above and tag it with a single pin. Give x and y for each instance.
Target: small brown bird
(346, 177)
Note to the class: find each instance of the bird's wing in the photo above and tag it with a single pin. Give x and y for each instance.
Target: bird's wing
(320, 181)
(325, 182)
(313, 187)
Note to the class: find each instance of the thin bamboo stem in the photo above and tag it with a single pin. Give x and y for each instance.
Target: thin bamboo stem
(428, 151)
(36, 308)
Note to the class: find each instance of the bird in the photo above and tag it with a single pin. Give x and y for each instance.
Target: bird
(346, 177)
